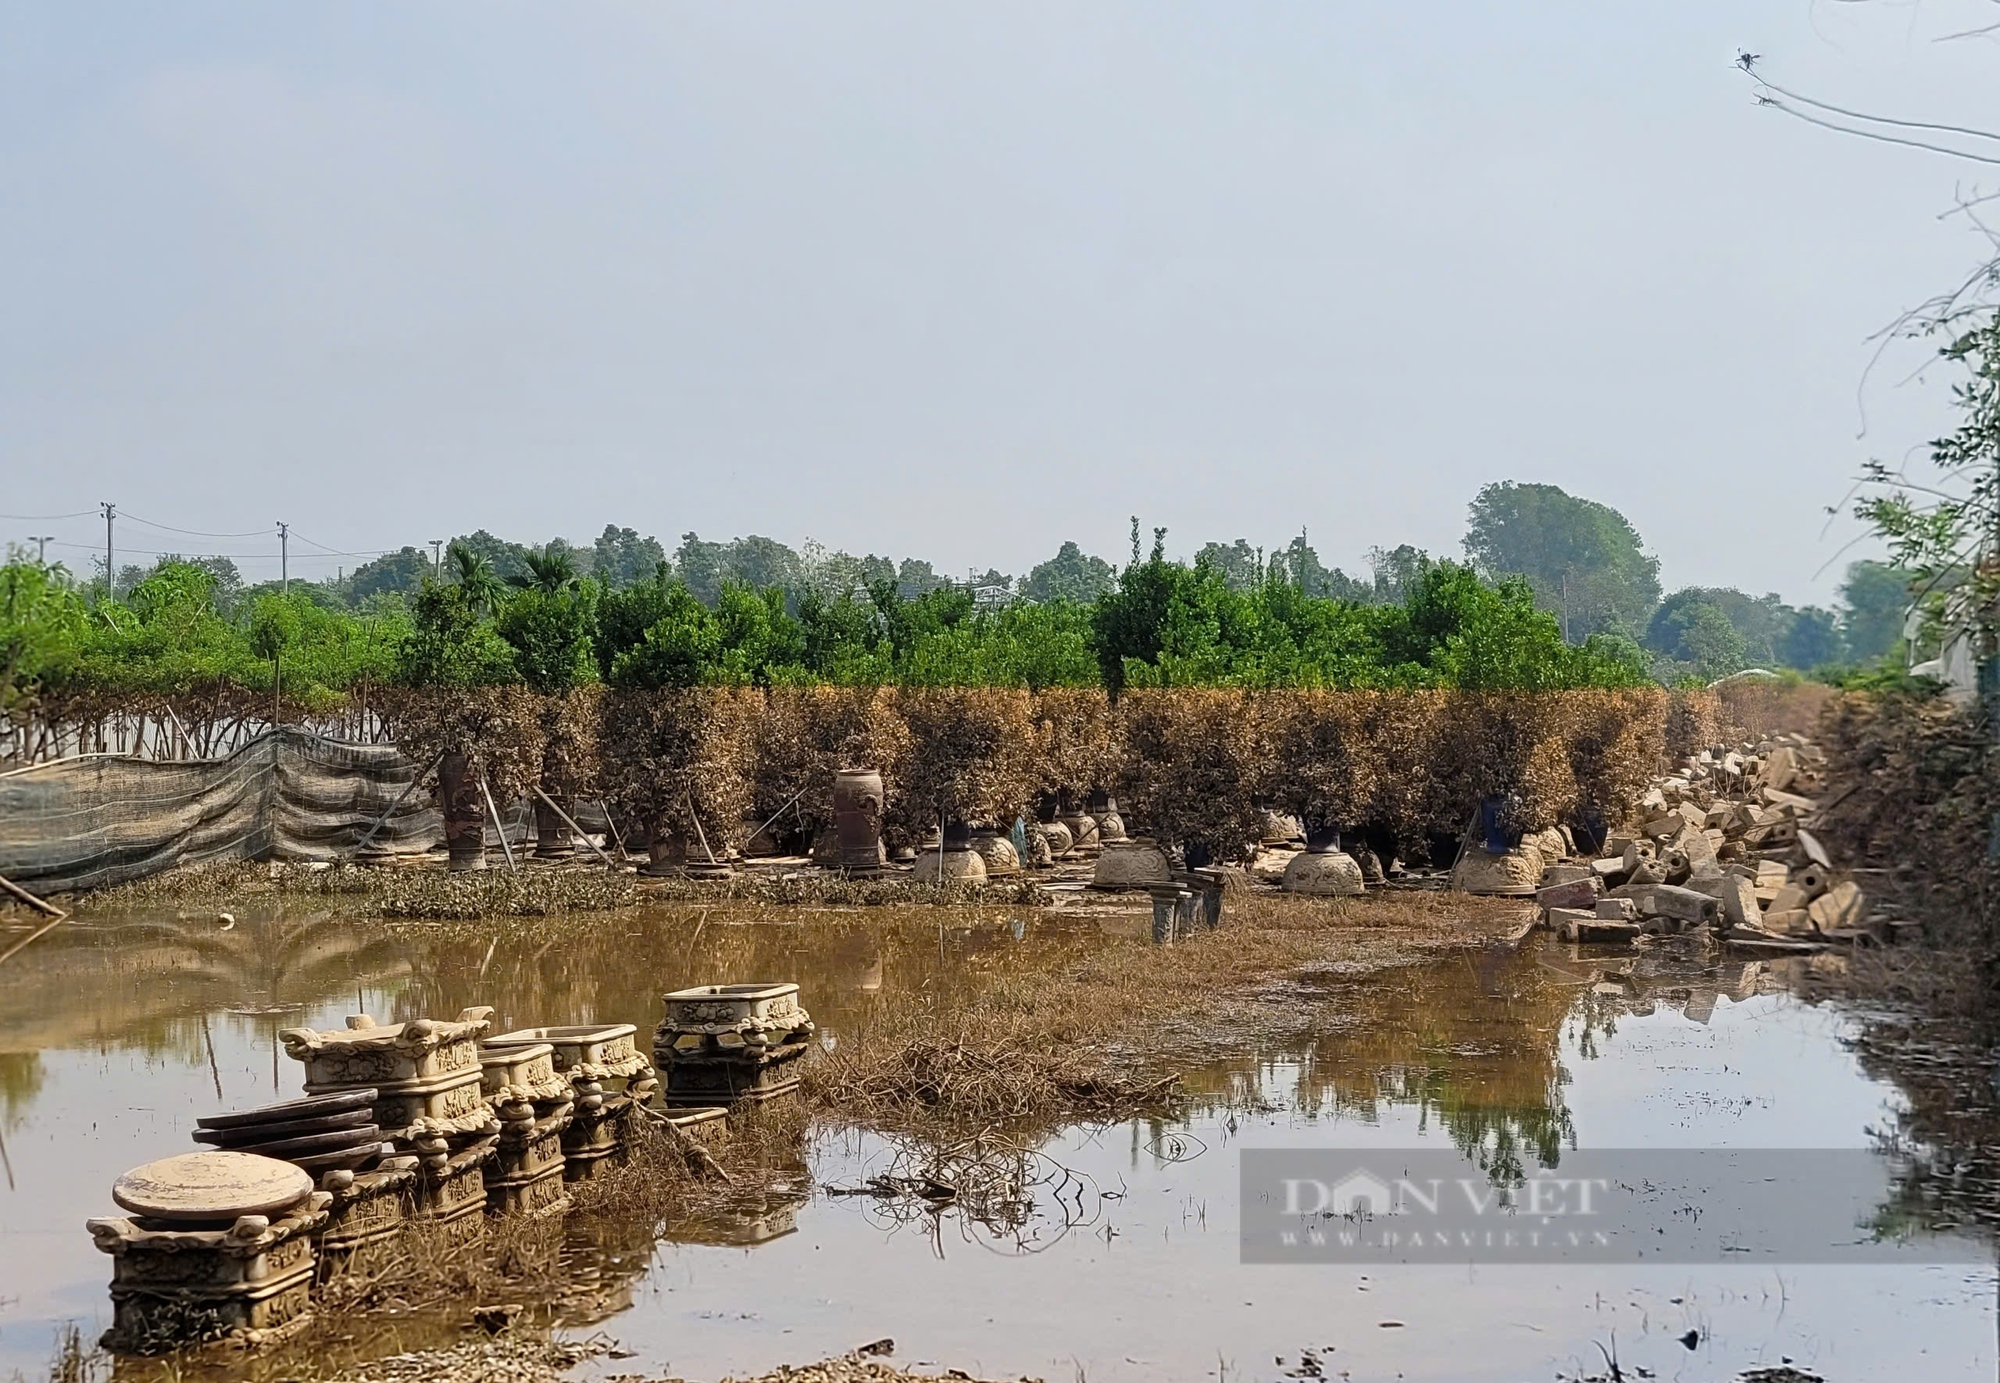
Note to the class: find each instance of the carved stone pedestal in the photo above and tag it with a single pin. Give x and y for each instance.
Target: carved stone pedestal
(176, 1285)
(725, 1044)
(366, 1219)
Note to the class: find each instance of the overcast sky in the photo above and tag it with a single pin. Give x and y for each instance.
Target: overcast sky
(963, 281)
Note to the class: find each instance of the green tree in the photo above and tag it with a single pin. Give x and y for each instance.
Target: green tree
(505, 559)
(1875, 598)
(756, 640)
(1070, 575)
(552, 630)
(472, 572)
(449, 644)
(1394, 572)
(1813, 640)
(915, 577)
(1300, 565)
(1241, 565)
(1582, 559)
(394, 573)
(44, 624)
(678, 649)
(621, 558)
(1944, 530)
(550, 570)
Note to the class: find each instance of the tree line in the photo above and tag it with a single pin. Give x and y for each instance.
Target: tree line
(1555, 591)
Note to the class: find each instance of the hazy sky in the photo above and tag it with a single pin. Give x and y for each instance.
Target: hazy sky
(963, 281)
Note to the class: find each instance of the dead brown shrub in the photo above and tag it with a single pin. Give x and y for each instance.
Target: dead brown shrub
(972, 757)
(1193, 760)
(678, 759)
(807, 734)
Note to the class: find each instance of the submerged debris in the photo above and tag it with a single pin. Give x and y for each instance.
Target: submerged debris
(510, 1360)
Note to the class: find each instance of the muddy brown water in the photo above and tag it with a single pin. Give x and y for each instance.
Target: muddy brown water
(1122, 1258)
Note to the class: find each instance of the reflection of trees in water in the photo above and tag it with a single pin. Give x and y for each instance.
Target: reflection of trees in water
(1945, 1143)
(614, 969)
(149, 983)
(1472, 1042)
(21, 1076)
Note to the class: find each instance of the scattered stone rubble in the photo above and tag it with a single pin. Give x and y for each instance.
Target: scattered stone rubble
(1721, 847)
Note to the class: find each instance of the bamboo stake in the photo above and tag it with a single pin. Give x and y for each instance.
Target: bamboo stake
(781, 811)
(32, 937)
(703, 835)
(47, 909)
(494, 812)
(408, 788)
(604, 805)
(574, 827)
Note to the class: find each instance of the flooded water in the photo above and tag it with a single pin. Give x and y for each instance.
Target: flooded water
(1123, 1261)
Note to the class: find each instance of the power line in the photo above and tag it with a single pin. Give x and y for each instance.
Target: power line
(49, 518)
(194, 532)
(160, 552)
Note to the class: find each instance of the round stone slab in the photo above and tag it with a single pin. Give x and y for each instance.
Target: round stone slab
(211, 1186)
(306, 1108)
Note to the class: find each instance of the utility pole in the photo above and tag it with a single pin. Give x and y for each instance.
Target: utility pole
(110, 570)
(42, 541)
(284, 558)
(437, 557)
(1565, 604)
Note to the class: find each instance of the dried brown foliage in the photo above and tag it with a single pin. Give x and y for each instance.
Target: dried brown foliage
(1192, 765)
(972, 756)
(1406, 727)
(572, 730)
(499, 728)
(1324, 755)
(1913, 788)
(1616, 739)
(1080, 739)
(1760, 708)
(807, 734)
(679, 759)
(1694, 722)
(1511, 745)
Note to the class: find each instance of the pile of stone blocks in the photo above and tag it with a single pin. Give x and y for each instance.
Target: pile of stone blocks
(1721, 845)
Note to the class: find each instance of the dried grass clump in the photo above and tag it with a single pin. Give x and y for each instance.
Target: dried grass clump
(972, 757)
(1191, 771)
(679, 760)
(1693, 722)
(974, 1076)
(1324, 756)
(808, 734)
(1080, 740)
(499, 729)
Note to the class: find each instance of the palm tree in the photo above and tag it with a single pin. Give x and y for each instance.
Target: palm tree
(475, 576)
(553, 570)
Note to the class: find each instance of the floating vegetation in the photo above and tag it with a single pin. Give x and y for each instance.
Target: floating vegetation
(501, 893)
(382, 892)
(836, 890)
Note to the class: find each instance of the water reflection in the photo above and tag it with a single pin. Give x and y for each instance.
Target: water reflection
(1485, 1050)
